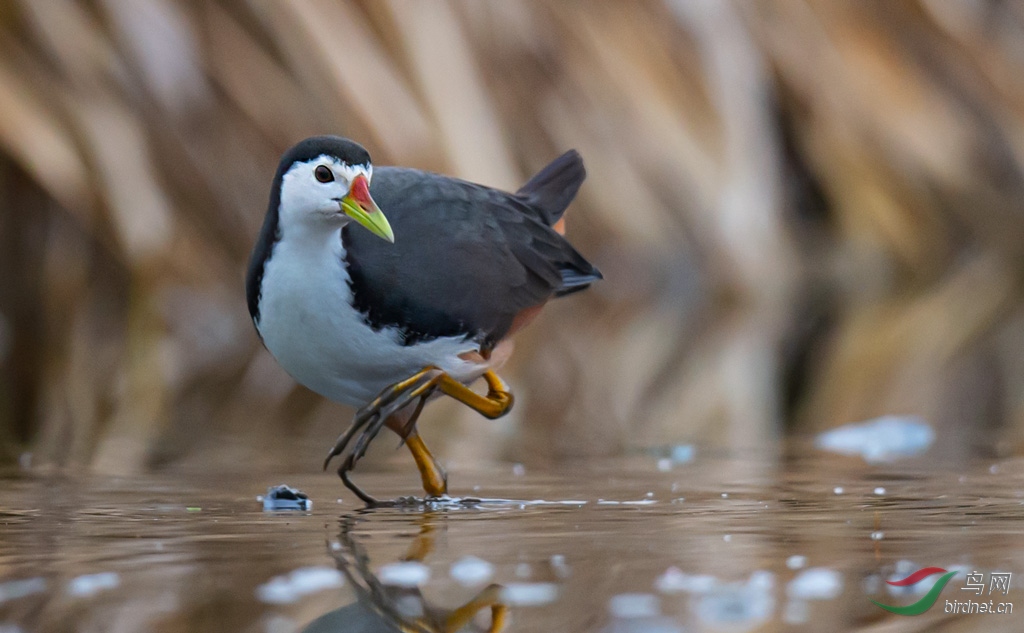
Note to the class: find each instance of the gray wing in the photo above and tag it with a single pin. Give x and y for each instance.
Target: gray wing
(466, 259)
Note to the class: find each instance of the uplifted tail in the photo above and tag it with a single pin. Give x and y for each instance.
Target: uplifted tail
(550, 191)
(553, 188)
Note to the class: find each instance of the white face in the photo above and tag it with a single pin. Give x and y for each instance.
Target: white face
(311, 192)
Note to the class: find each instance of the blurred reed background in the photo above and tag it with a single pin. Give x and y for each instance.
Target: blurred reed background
(807, 213)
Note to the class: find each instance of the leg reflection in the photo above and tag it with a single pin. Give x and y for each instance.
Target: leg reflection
(384, 608)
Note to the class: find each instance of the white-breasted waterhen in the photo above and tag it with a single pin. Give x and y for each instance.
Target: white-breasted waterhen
(418, 296)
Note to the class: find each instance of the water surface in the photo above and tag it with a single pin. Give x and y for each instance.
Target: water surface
(719, 543)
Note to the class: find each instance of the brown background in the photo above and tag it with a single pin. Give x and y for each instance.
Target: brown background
(807, 213)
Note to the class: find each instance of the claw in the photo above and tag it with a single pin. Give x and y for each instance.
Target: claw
(342, 442)
(381, 407)
(370, 420)
(356, 490)
(364, 439)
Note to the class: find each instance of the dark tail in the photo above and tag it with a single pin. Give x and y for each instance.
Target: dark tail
(576, 279)
(553, 188)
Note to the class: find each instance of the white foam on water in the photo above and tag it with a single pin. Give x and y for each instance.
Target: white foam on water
(559, 566)
(683, 453)
(529, 594)
(675, 580)
(816, 583)
(91, 584)
(404, 574)
(738, 604)
(470, 571)
(523, 504)
(883, 439)
(634, 605)
(15, 589)
(301, 582)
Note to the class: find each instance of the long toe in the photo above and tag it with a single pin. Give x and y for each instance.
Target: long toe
(343, 472)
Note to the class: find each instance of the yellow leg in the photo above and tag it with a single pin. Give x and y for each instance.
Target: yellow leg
(460, 617)
(499, 618)
(371, 418)
(435, 482)
(495, 404)
(423, 544)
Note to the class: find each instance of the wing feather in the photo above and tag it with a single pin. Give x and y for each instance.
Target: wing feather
(466, 259)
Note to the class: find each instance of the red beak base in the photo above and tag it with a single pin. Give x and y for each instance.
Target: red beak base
(360, 192)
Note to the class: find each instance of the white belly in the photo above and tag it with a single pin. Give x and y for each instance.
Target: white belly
(308, 323)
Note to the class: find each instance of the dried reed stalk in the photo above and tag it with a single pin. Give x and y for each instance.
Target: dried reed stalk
(807, 212)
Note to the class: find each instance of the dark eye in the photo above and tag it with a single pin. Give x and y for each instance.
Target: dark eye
(323, 173)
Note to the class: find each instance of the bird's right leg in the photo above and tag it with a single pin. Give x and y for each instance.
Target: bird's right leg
(421, 385)
(435, 480)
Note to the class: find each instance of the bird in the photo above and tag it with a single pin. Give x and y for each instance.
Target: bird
(385, 287)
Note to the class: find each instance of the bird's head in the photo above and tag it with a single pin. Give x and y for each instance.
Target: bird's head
(325, 180)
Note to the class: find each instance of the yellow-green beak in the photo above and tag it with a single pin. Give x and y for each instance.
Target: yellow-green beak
(359, 206)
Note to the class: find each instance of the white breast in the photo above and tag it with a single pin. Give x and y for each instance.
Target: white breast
(308, 323)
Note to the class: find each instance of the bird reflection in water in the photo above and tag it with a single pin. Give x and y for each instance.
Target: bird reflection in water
(386, 608)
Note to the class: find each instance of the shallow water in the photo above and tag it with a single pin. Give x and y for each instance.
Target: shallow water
(720, 543)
